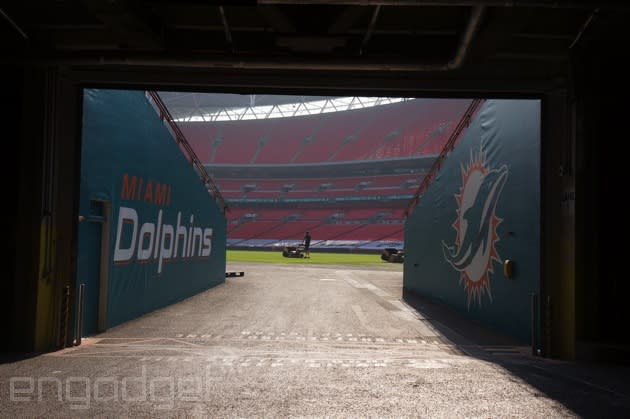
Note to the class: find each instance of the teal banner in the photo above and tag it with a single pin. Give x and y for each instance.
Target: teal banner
(165, 235)
(482, 210)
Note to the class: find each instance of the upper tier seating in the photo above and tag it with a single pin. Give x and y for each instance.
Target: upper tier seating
(415, 127)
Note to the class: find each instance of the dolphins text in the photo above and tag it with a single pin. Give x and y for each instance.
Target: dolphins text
(159, 241)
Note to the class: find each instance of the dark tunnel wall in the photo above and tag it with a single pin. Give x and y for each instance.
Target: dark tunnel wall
(483, 208)
(600, 97)
(12, 101)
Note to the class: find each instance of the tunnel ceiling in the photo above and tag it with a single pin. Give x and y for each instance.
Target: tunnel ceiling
(186, 42)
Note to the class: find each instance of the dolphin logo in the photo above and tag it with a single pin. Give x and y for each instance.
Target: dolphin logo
(473, 251)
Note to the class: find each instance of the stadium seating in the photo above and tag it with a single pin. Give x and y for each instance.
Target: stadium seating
(383, 125)
(329, 138)
(410, 128)
(396, 130)
(200, 136)
(285, 139)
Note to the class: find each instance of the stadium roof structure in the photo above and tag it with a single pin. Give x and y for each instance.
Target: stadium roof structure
(186, 106)
(181, 101)
(442, 45)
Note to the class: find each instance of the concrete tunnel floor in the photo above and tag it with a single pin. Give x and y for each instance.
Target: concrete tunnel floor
(306, 342)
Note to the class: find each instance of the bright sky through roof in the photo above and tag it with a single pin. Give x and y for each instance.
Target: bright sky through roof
(288, 110)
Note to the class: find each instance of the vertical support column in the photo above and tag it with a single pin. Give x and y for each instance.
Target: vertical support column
(558, 227)
(45, 220)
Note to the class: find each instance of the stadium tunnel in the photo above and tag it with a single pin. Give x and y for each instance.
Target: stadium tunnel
(581, 88)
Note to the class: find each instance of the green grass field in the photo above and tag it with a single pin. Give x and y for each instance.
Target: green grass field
(315, 259)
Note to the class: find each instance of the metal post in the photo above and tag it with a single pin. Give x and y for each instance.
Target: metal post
(104, 262)
(79, 323)
(534, 323)
(65, 315)
(548, 327)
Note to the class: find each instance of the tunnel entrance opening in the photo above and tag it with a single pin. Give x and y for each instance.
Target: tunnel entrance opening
(354, 171)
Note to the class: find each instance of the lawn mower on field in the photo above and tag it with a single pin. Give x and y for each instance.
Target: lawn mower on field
(296, 251)
(393, 255)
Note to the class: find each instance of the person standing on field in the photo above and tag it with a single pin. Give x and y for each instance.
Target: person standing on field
(307, 245)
